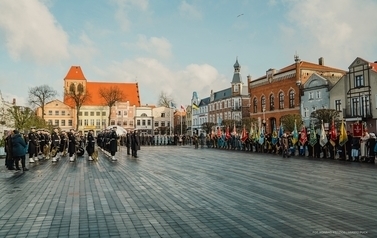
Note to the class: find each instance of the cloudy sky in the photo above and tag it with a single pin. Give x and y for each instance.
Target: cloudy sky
(175, 46)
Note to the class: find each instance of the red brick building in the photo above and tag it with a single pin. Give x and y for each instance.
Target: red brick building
(278, 92)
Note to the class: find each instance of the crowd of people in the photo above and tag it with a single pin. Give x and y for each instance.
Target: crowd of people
(356, 148)
(40, 144)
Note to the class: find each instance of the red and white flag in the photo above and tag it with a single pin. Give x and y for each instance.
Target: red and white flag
(183, 108)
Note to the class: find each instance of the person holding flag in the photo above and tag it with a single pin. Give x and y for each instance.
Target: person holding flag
(294, 139)
(323, 141)
(333, 140)
(343, 138)
(303, 140)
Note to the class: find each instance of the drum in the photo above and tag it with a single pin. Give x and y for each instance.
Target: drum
(80, 151)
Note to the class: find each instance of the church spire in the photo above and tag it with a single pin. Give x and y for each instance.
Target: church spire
(236, 75)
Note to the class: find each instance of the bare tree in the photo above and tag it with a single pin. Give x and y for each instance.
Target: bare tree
(165, 100)
(111, 95)
(79, 95)
(39, 95)
(325, 116)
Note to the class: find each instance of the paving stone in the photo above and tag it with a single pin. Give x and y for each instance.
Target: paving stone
(174, 191)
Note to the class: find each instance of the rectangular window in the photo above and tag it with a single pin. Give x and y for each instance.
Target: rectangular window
(50, 122)
(63, 113)
(56, 113)
(163, 114)
(359, 81)
(86, 114)
(156, 123)
(103, 122)
(124, 123)
(149, 122)
(92, 114)
(338, 105)
(69, 122)
(80, 122)
(80, 114)
(98, 114)
(91, 122)
(112, 123)
(355, 106)
(98, 122)
(119, 123)
(143, 122)
(63, 122)
(50, 113)
(162, 124)
(306, 112)
(56, 122)
(86, 122)
(311, 96)
(103, 114)
(318, 94)
(131, 123)
(138, 122)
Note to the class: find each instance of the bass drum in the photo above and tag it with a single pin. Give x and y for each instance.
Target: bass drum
(80, 151)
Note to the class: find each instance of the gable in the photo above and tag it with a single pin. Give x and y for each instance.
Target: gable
(357, 62)
(315, 80)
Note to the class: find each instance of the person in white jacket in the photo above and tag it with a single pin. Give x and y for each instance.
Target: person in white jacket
(363, 141)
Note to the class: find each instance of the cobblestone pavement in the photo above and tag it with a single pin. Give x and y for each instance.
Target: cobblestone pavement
(185, 192)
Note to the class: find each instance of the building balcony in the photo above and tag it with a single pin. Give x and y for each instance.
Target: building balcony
(348, 113)
(236, 109)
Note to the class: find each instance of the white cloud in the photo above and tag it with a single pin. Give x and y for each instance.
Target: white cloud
(154, 77)
(189, 11)
(86, 50)
(123, 7)
(156, 46)
(31, 32)
(340, 30)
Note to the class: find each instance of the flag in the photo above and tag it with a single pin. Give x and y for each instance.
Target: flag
(257, 135)
(274, 138)
(244, 134)
(323, 138)
(183, 108)
(261, 137)
(343, 138)
(333, 133)
(194, 106)
(172, 105)
(281, 130)
(303, 136)
(234, 132)
(295, 135)
(313, 136)
(227, 133)
(251, 132)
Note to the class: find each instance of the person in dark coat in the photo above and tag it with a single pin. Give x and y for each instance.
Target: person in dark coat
(135, 143)
(128, 142)
(33, 145)
(19, 150)
(370, 148)
(90, 144)
(113, 143)
(55, 145)
(9, 161)
(71, 145)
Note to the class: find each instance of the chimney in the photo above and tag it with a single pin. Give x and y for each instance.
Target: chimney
(321, 61)
(14, 101)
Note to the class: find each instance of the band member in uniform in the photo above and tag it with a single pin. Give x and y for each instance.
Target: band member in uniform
(63, 143)
(55, 145)
(32, 149)
(113, 143)
(71, 145)
(90, 144)
(135, 144)
(128, 142)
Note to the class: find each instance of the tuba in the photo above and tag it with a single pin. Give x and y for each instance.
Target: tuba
(53, 152)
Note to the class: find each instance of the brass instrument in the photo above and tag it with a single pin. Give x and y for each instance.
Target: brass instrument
(46, 151)
(54, 151)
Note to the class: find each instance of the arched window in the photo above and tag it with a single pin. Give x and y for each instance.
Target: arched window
(272, 102)
(291, 99)
(263, 103)
(281, 100)
(255, 106)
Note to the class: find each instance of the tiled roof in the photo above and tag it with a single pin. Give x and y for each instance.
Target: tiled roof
(130, 92)
(75, 72)
(305, 65)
